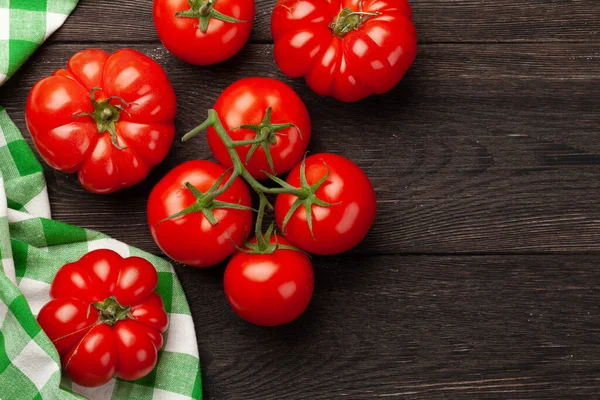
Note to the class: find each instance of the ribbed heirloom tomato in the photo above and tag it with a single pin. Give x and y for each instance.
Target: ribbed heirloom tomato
(203, 32)
(188, 224)
(344, 222)
(105, 318)
(107, 117)
(267, 110)
(347, 49)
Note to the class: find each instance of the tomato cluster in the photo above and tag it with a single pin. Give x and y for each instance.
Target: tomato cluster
(109, 117)
(199, 213)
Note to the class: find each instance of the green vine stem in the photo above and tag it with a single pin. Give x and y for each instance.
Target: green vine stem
(204, 10)
(305, 194)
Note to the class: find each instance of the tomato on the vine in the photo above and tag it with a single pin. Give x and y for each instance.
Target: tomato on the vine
(188, 225)
(267, 109)
(337, 211)
(105, 318)
(347, 49)
(203, 32)
(269, 289)
(107, 117)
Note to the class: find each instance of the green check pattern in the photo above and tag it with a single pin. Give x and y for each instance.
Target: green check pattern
(33, 247)
(24, 25)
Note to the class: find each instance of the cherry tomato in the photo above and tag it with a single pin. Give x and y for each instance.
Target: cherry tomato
(107, 117)
(105, 318)
(347, 49)
(340, 226)
(245, 102)
(203, 32)
(269, 289)
(191, 238)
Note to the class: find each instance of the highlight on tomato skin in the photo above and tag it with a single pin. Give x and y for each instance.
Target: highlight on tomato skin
(269, 289)
(258, 107)
(107, 117)
(338, 227)
(203, 32)
(105, 318)
(346, 49)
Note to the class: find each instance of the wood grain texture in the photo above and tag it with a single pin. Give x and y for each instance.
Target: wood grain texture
(482, 148)
(479, 279)
(415, 327)
(436, 21)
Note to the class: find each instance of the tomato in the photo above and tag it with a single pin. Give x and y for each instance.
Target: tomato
(105, 318)
(245, 102)
(341, 225)
(107, 117)
(269, 289)
(340, 52)
(203, 32)
(190, 238)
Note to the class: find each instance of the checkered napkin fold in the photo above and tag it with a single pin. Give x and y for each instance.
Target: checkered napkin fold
(33, 247)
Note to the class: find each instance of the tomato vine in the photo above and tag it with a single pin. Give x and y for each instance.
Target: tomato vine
(305, 194)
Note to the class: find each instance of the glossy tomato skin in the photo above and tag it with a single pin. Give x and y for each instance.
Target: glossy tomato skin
(70, 142)
(245, 102)
(269, 289)
(183, 38)
(191, 239)
(93, 351)
(370, 59)
(336, 228)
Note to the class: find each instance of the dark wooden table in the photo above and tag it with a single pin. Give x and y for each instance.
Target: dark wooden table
(481, 275)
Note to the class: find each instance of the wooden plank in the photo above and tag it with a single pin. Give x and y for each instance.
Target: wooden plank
(436, 21)
(418, 327)
(482, 148)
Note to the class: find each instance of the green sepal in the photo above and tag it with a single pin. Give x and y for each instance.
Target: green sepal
(308, 199)
(106, 115)
(110, 311)
(266, 133)
(206, 203)
(204, 11)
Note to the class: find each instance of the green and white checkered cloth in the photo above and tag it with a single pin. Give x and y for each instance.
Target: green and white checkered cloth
(24, 25)
(33, 247)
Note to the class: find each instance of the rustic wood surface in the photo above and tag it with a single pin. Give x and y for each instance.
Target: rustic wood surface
(480, 278)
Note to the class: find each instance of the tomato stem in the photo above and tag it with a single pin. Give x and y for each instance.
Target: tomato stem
(106, 115)
(203, 10)
(265, 132)
(110, 311)
(348, 20)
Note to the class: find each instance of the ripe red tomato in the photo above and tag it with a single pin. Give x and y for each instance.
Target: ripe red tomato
(343, 53)
(269, 289)
(343, 224)
(191, 239)
(245, 102)
(112, 142)
(105, 318)
(203, 32)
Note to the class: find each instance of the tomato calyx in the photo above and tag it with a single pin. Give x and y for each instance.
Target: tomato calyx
(206, 202)
(266, 135)
(263, 243)
(348, 20)
(307, 196)
(110, 311)
(204, 10)
(106, 115)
